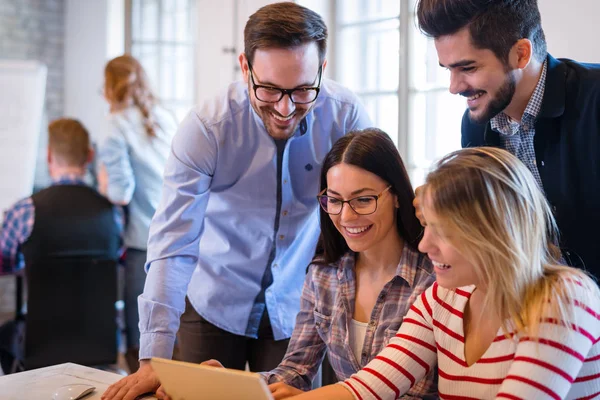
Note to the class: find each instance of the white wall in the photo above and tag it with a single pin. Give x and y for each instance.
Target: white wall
(571, 28)
(220, 30)
(89, 43)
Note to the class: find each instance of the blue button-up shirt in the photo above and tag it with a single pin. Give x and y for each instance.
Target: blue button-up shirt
(214, 230)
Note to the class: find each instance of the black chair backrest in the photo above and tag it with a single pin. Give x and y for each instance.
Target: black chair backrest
(71, 312)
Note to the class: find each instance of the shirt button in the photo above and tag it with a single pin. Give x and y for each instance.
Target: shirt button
(275, 265)
(543, 164)
(285, 181)
(285, 213)
(281, 237)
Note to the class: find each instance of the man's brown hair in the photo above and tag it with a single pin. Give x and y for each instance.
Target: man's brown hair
(69, 141)
(284, 26)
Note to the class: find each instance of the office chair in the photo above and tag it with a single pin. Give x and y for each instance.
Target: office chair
(71, 312)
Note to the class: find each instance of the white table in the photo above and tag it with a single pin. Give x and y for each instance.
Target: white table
(40, 384)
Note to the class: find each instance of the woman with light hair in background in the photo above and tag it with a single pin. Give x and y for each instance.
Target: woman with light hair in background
(504, 319)
(133, 157)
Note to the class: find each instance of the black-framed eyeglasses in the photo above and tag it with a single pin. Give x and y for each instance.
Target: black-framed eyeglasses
(362, 205)
(271, 94)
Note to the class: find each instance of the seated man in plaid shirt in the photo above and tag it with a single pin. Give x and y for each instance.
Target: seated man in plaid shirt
(67, 218)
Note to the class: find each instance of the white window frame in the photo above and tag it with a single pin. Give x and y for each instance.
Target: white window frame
(405, 92)
(130, 43)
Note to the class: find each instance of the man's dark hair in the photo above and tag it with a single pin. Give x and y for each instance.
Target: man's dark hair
(493, 24)
(372, 150)
(284, 25)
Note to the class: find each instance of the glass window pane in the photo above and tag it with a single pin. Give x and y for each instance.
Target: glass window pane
(350, 11)
(179, 110)
(176, 76)
(147, 54)
(383, 111)
(167, 17)
(434, 126)
(183, 21)
(369, 58)
(175, 21)
(162, 40)
(167, 72)
(145, 19)
(425, 70)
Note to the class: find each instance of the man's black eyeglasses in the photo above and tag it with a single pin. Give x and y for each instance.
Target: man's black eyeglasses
(270, 94)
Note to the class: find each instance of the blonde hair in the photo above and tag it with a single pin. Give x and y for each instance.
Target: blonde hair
(125, 81)
(501, 221)
(69, 141)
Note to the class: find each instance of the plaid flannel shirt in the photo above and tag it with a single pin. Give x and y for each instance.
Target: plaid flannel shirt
(517, 137)
(327, 307)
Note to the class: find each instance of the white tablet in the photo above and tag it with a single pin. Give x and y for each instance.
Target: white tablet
(187, 381)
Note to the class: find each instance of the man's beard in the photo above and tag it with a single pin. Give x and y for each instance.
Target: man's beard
(500, 101)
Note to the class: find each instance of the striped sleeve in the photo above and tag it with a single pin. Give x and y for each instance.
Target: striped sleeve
(404, 361)
(559, 363)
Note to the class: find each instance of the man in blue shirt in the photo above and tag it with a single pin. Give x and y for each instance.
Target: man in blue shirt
(237, 224)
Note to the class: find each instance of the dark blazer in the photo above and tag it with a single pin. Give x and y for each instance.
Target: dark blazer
(567, 150)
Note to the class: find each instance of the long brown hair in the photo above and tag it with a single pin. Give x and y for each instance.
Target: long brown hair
(372, 150)
(126, 82)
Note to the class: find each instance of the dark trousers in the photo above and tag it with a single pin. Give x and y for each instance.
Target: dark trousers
(199, 340)
(135, 277)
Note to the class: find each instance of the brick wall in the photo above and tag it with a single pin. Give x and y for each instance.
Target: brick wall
(33, 30)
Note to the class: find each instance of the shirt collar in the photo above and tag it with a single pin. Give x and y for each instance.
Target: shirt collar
(68, 179)
(406, 266)
(504, 125)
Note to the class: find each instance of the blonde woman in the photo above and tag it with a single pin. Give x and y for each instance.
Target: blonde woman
(504, 319)
(134, 154)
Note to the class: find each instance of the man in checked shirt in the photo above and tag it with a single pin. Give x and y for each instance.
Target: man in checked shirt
(88, 223)
(542, 109)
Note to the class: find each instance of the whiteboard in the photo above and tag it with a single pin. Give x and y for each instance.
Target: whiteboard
(22, 92)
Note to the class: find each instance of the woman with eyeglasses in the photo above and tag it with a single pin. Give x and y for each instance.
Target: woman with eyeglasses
(367, 271)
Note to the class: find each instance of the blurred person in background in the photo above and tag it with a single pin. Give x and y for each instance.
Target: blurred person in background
(89, 224)
(132, 160)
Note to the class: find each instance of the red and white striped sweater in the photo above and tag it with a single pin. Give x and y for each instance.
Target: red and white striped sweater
(564, 364)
